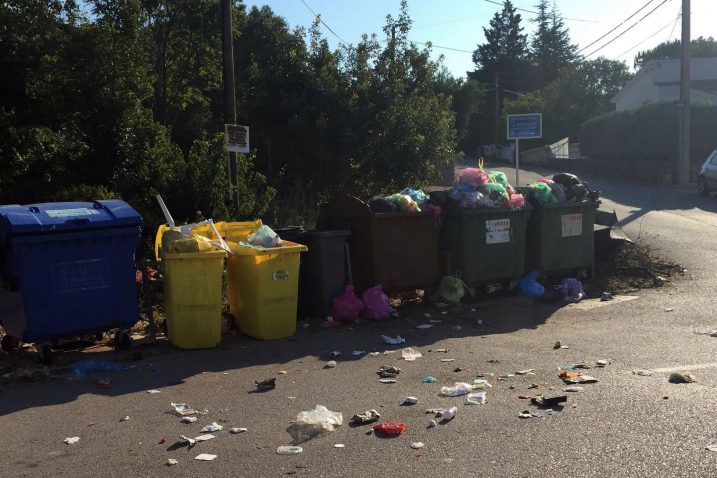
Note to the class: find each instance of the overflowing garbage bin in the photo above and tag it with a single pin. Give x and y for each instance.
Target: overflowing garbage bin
(67, 270)
(192, 292)
(398, 250)
(262, 286)
(486, 245)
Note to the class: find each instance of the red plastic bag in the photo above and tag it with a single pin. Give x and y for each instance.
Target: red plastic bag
(376, 304)
(347, 307)
(391, 429)
(474, 177)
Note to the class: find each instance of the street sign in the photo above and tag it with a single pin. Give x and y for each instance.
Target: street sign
(525, 126)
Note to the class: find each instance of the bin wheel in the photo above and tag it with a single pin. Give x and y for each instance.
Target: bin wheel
(164, 328)
(702, 188)
(8, 344)
(44, 352)
(123, 340)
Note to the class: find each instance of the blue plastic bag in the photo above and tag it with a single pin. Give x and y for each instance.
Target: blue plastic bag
(530, 286)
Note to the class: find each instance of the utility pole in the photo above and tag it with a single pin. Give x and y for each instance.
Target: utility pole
(497, 106)
(230, 112)
(684, 165)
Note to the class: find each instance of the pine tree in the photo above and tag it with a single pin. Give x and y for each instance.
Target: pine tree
(551, 49)
(505, 42)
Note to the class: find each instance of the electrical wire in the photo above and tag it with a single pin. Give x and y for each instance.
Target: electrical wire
(629, 28)
(645, 39)
(679, 15)
(322, 22)
(618, 26)
(534, 12)
(451, 21)
(441, 47)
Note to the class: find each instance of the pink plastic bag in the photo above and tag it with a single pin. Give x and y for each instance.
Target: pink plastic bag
(376, 304)
(347, 307)
(517, 200)
(475, 177)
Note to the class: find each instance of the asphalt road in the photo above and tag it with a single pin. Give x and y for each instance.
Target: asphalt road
(624, 425)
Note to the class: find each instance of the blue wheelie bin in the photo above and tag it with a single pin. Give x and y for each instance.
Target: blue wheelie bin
(67, 270)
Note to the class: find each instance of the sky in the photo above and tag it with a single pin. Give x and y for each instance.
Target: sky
(458, 24)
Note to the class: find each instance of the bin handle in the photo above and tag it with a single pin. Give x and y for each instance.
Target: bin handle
(78, 221)
(219, 236)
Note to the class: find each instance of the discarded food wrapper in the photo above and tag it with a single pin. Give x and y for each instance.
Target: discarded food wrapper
(171, 461)
(478, 398)
(368, 416)
(185, 439)
(339, 445)
(388, 372)
(71, 440)
(214, 427)
(458, 389)
(188, 419)
(205, 457)
(393, 340)
(266, 385)
(237, 430)
(601, 363)
(387, 380)
(424, 326)
(313, 423)
(410, 355)
(528, 414)
(289, 450)
(449, 414)
(682, 377)
(447, 360)
(330, 364)
(431, 423)
(542, 401)
(417, 445)
(481, 383)
(441, 350)
(573, 389)
(205, 437)
(576, 377)
(526, 372)
(428, 379)
(152, 392)
(410, 400)
(183, 410)
(391, 429)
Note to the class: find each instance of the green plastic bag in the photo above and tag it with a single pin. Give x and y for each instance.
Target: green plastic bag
(450, 291)
(543, 194)
(499, 177)
(500, 197)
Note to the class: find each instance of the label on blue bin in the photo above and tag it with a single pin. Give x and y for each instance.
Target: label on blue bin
(281, 274)
(77, 276)
(72, 212)
(497, 231)
(572, 225)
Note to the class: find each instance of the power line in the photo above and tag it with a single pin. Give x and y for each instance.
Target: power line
(441, 47)
(645, 39)
(629, 28)
(536, 13)
(322, 22)
(451, 21)
(675, 25)
(618, 26)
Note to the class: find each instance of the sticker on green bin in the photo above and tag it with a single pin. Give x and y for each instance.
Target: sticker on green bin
(572, 225)
(281, 274)
(497, 231)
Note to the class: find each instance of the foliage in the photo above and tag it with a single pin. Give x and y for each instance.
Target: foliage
(550, 48)
(700, 47)
(648, 133)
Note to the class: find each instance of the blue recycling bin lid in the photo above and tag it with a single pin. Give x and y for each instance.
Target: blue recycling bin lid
(65, 217)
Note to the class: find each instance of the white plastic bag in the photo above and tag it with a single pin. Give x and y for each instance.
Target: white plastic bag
(314, 423)
(410, 354)
(458, 389)
(476, 398)
(264, 237)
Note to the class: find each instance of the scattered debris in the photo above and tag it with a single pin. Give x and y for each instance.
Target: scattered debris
(449, 414)
(71, 440)
(427, 315)
(282, 372)
(163, 440)
(533, 385)
(237, 430)
(125, 418)
(424, 326)
(183, 410)
(542, 401)
(375, 354)
(478, 398)
(266, 385)
(431, 423)
(601, 363)
(606, 296)
(712, 448)
(410, 355)
(417, 445)
(528, 414)
(104, 382)
(529, 371)
(458, 389)
(447, 360)
(330, 364)
(214, 427)
(457, 369)
(289, 450)
(558, 345)
(368, 416)
(388, 372)
(481, 383)
(205, 457)
(573, 389)
(574, 366)
(358, 353)
(313, 423)
(171, 462)
(524, 397)
(428, 379)
(188, 419)
(190, 441)
(682, 377)
(436, 321)
(387, 380)
(152, 392)
(441, 350)
(391, 429)
(410, 400)
(643, 373)
(205, 437)
(576, 377)
(393, 340)
(457, 328)
(335, 354)
(669, 309)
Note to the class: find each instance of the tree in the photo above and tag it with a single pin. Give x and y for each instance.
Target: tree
(699, 48)
(467, 101)
(551, 49)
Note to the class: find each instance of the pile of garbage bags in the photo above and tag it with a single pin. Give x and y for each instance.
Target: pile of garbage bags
(477, 189)
(408, 200)
(563, 187)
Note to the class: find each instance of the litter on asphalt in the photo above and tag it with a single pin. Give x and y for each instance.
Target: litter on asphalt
(526, 372)
(457, 390)
(205, 457)
(428, 379)
(410, 354)
(573, 389)
(393, 340)
(478, 398)
(154, 391)
(213, 427)
(417, 445)
(424, 326)
(542, 401)
(330, 364)
(266, 384)
(188, 419)
(289, 450)
(481, 383)
(431, 423)
(368, 416)
(205, 437)
(410, 400)
(386, 371)
(528, 414)
(71, 440)
(313, 423)
(449, 414)
(171, 462)
(237, 430)
(682, 377)
(125, 418)
(391, 428)
(183, 409)
(358, 353)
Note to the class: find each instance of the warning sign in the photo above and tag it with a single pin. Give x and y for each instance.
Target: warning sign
(572, 225)
(497, 231)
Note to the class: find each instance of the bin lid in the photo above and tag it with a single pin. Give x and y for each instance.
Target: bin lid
(66, 217)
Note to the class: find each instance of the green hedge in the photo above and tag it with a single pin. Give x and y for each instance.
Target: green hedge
(648, 134)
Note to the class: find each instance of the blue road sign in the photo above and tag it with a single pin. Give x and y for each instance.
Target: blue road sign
(525, 126)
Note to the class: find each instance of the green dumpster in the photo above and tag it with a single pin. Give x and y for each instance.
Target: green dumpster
(560, 237)
(486, 245)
